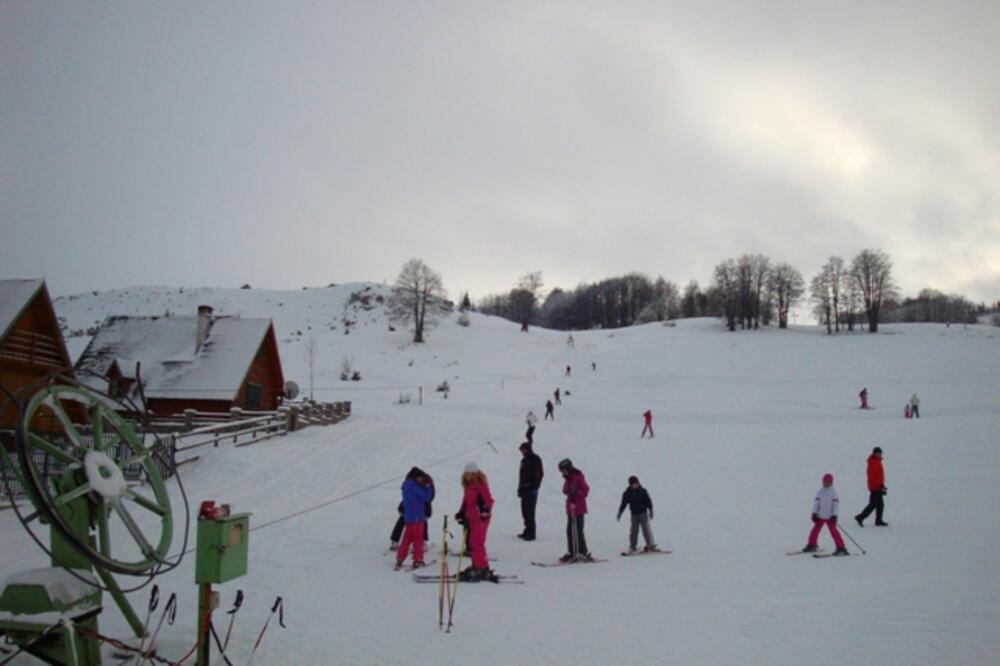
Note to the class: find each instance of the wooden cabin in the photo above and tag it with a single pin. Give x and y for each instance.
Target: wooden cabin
(31, 344)
(203, 362)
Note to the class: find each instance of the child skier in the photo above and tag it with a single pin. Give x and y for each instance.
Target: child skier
(825, 508)
(531, 420)
(641, 507)
(549, 411)
(397, 530)
(417, 491)
(477, 503)
(864, 398)
(575, 489)
(648, 427)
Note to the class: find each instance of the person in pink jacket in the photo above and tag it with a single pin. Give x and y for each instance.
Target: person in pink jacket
(477, 505)
(575, 489)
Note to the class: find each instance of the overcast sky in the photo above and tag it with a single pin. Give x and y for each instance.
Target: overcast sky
(294, 143)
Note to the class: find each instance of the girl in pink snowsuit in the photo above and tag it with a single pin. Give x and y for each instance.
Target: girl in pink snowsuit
(477, 504)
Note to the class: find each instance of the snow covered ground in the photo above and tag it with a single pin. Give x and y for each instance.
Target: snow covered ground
(746, 424)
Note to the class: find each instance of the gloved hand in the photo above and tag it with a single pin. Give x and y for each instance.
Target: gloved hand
(815, 518)
(485, 515)
(885, 491)
(534, 492)
(650, 514)
(619, 519)
(460, 517)
(832, 520)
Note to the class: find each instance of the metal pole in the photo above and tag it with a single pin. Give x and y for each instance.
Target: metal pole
(863, 551)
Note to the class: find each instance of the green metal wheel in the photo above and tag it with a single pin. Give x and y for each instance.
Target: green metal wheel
(77, 430)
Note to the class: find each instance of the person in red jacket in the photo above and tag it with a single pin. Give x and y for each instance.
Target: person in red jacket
(648, 427)
(876, 489)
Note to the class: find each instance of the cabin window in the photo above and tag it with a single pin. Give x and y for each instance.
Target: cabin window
(253, 396)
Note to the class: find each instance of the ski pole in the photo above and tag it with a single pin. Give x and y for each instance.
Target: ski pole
(863, 551)
(154, 601)
(458, 577)
(443, 571)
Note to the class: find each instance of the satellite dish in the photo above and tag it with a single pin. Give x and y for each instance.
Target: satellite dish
(291, 390)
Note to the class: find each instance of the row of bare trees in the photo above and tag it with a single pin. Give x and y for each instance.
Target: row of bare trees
(751, 291)
(842, 293)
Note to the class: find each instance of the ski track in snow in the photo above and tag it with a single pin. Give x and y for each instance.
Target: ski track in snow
(746, 424)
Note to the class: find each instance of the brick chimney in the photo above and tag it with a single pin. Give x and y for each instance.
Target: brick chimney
(204, 325)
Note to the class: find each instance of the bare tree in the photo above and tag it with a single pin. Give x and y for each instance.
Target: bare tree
(836, 277)
(871, 271)
(418, 296)
(524, 298)
(785, 286)
(819, 290)
(311, 353)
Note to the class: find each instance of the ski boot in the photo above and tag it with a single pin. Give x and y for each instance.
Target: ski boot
(858, 520)
(840, 552)
(568, 557)
(810, 549)
(651, 548)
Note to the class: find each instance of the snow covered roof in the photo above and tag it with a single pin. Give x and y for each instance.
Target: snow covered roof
(165, 348)
(15, 295)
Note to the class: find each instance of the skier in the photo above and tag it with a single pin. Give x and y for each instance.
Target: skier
(568, 371)
(556, 394)
(417, 492)
(477, 503)
(531, 420)
(570, 342)
(575, 489)
(640, 506)
(915, 406)
(906, 411)
(397, 530)
(825, 513)
(648, 427)
(549, 414)
(528, 483)
(876, 490)
(593, 365)
(864, 398)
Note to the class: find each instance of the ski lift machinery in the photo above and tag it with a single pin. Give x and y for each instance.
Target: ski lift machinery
(72, 447)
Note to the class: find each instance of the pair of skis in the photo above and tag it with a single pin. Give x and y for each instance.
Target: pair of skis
(819, 554)
(452, 578)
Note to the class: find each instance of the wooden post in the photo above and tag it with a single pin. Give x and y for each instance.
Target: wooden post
(286, 414)
(188, 420)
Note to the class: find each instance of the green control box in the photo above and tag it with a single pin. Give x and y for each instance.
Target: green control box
(221, 554)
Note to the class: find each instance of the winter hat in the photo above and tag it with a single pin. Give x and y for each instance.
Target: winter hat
(877, 449)
(827, 478)
(525, 446)
(565, 463)
(633, 479)
(471, 468)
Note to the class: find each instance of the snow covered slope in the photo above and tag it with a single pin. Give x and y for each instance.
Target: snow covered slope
(746, 424)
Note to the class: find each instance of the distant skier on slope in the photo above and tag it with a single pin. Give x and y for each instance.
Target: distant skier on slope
(640, 505)
(549, 410)
(575, 489)
(569, 371)
(825, 508)
(864, 398)
(876, 490)
(556, 394)
(648, 426)
(915, 406)
(531, 420)
(418, 490)
(476, 510)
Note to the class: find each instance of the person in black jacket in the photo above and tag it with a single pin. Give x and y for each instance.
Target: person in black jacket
(528, 483)
(397, 530)
(641, 506)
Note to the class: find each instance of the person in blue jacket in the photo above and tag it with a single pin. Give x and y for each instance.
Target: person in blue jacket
(418, 491)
